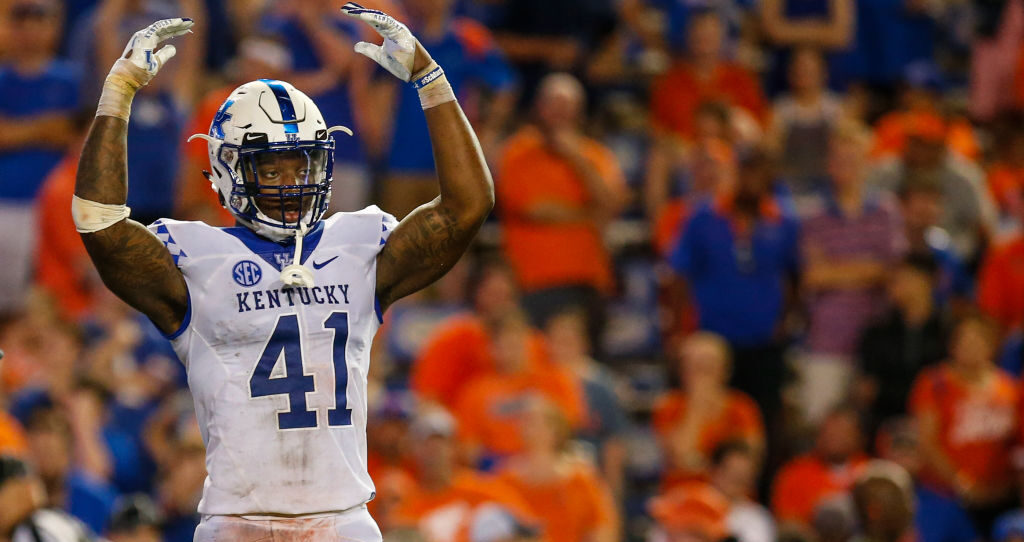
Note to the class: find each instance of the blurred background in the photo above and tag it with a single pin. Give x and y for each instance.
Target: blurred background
(755, 273)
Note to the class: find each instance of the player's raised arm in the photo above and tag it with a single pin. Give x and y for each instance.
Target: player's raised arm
(133, 263)
(426, 244)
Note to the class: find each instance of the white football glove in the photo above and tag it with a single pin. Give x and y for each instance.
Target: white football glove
(399, 50)
(141, 52)
(138, 64)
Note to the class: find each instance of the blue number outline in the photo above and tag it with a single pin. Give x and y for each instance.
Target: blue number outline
(296, 383)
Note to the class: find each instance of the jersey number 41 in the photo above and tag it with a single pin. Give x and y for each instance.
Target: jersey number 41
(295, 383)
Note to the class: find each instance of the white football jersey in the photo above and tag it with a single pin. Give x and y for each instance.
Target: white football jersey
(278, 374)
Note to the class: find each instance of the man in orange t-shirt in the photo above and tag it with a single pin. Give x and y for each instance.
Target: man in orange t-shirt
(566, 494)
(489, 410)
(693, 421)
(556, 190)
(444, 499)
(830, 469)
(460, 349)
(703, 76)
(967, 410)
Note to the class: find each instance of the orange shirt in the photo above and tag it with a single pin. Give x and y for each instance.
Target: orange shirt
(12, 438)
(62, 266)
(977, 427)
(891, 135)
(571, 508)
(668, 225)
(1007, 186)
(458, 352)
(740, 419)
(807, 481)
(446, 515)
(677, 94)
(546, 255)
(491, 406)
(1001, 283)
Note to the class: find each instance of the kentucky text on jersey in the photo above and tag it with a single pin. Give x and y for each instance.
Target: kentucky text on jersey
(334, 294)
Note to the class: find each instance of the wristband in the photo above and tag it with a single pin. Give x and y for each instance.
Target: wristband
(433, 87)
(430, 77)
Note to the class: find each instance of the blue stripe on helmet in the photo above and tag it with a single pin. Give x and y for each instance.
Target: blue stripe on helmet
(291, 125)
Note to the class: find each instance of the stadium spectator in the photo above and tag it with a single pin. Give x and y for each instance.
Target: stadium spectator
(968, 213)
(24, 515)
(556, 192)
(801, 122)
(737, 253)
(544, 36)
(442, 504)
(938, 517)
(809, 480)
(461, 348)
(479, 75)
(734, 472)
(705, 413)
(174, 440)
(896, 347)
(564, 492)
(703, 74)
(884, 500)
(38, 95)
(967, 411)
(489, 408)
(68, 453)
(826, 25)
(921, 207)
(1001, 283)
(922, 96)
(711, 169)
(605, 423)
(847, 250)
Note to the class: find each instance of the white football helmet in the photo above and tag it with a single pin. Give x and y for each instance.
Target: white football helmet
(271, 158)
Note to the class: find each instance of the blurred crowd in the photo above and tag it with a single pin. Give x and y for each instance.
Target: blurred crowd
(755, 273)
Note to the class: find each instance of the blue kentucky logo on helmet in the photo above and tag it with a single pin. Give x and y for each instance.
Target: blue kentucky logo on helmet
(222, 116)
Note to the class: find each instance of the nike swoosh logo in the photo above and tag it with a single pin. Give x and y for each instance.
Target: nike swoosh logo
(321, 264)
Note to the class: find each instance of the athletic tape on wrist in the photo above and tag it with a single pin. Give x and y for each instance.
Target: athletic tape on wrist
(120, 86)
(91, 217)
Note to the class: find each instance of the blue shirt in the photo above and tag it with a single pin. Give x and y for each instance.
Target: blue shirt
(154, 148)
(941, 519)
(89, 500)
(53, 90)
(469, 57)
(887, 39)
(738, 285)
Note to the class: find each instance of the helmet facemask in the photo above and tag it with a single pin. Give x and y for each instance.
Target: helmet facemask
(280, 188)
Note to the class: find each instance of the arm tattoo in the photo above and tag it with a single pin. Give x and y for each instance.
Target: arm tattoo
(428, 242)
(423, 247)
(132, 262)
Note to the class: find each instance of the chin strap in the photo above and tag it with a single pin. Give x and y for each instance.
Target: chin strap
(297, 274)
